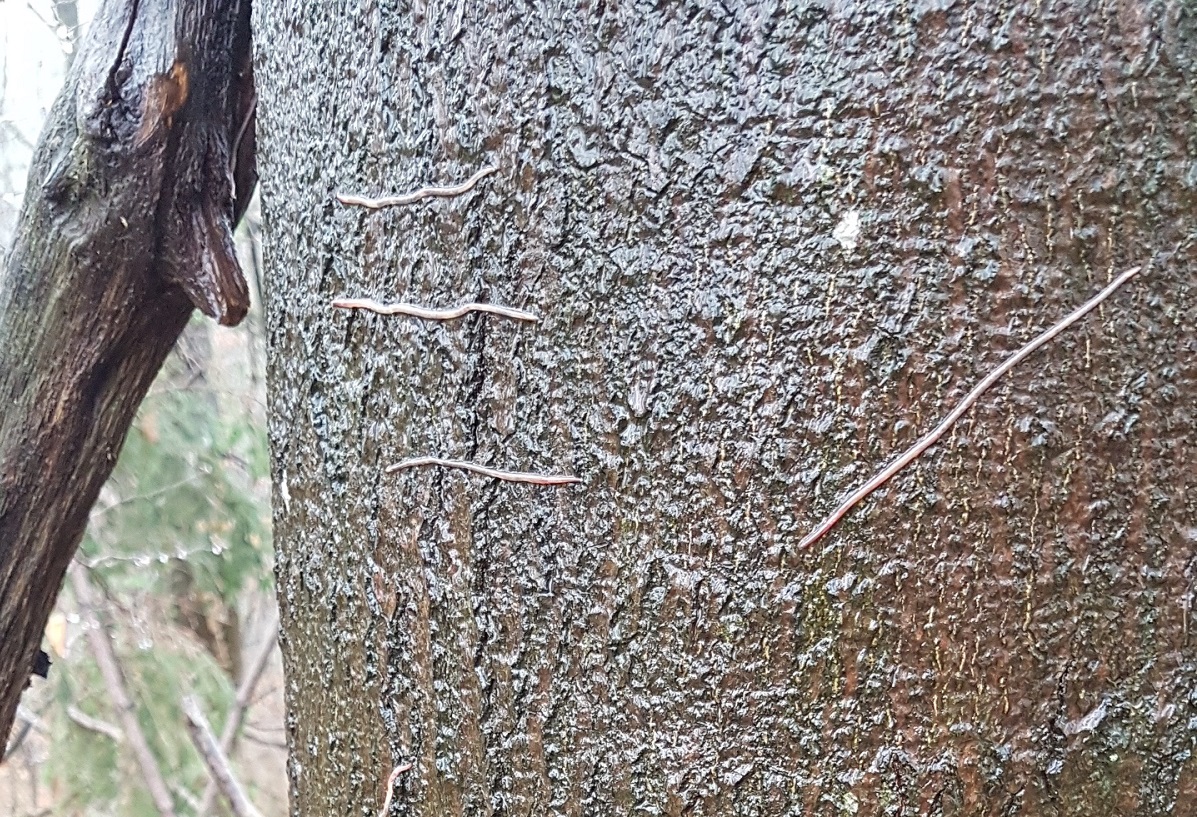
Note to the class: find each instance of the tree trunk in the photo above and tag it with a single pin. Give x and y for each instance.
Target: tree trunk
(145, 165)
(770, 246)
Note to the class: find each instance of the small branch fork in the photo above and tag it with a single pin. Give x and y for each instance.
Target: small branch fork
(215, 759)
(98, 725)
(506, 476)
(417, 195)
(114, 680)
(433, 314)
(245, 694)
(915, 451)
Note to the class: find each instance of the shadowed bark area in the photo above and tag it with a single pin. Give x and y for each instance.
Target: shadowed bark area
(770, 245)
(144, 167)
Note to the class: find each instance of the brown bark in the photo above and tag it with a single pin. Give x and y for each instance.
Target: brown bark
(1002, 629)
(144, 166)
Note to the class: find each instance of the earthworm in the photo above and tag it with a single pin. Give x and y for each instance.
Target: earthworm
(508, 476)
(417, 195)
(386, 804)
(930, 439)
(433, 314)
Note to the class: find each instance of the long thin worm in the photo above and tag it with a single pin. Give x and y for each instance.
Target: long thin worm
(930, 439)
(507, 476)
(433, 314)
(417, 195)
(386, 804)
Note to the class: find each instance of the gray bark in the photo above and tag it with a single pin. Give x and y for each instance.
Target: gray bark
(145, 165)
(1002, 629)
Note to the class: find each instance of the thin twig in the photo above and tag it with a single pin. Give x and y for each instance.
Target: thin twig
(28, 722)
(185, 794)
(215, 760)
(259, 737)
(157, 492)
(418, 195)
(101, 648)
(245, 695)
(140, 559)
(386, 804)
(930, 439)
(433, 314)
(507, 476)
(103, 727)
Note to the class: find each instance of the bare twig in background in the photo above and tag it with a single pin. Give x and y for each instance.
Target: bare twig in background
(140, 559)
(66, 12)
(245, 695)
(184, 794)
(417, 195)
(507, 476)
(97, 725)
(930, 439)
(50, 25)
(386, 804)
(215, 760)
(13, 133)
(28, 722)
(101, 647)
(433, 314)
(98, 510)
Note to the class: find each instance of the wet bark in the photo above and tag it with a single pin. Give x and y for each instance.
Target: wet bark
(1005, 628)
(145, 165)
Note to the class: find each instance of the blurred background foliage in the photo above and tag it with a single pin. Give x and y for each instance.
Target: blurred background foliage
(184, 516)
(178, 547)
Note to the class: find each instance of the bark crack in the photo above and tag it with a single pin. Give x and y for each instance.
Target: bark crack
(111, 83)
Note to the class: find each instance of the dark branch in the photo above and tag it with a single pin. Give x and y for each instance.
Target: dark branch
(144, 166)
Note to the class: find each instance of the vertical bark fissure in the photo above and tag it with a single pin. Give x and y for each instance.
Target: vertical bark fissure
(111, 83)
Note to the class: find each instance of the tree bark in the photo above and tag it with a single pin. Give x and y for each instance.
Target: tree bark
(145, 165)
(770, 246)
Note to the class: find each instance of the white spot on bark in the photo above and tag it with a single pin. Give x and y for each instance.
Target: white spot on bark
(847, 232)
(1089, 722)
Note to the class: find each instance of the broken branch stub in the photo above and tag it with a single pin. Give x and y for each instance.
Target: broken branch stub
(211, 176)
(145, 165)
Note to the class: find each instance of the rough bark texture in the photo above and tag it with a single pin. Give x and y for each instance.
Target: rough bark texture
(145, 165)
(1005, 629)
